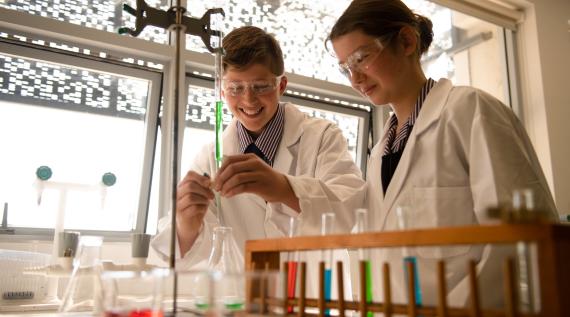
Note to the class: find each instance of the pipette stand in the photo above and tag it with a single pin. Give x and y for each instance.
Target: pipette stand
(174, 20)
(552, 244)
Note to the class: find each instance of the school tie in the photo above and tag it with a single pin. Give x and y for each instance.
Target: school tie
(252, 148)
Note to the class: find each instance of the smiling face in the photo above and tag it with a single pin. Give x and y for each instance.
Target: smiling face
(379, 73)
(254, 105)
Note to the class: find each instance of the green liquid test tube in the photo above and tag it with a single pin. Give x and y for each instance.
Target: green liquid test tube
(364, 255)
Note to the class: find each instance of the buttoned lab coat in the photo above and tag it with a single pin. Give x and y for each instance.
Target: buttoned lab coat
(466, 152)
(313, 154)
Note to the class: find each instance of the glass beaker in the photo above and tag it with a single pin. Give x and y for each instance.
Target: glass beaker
(132, 293)
(84, 285)
(261, 293)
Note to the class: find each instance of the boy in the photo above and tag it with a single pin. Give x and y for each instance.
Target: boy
(280, 163)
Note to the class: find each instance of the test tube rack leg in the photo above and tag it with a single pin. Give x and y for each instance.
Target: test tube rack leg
(552, 243)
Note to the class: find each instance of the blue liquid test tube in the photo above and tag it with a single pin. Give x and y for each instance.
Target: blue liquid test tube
(401, 212)
(327, 227)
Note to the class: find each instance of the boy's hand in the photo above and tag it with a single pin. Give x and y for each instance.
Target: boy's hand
(247, 173)
(193, 196)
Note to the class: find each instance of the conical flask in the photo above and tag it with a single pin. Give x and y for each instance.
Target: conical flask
(224, 287)
(84, 284)
(225, 256)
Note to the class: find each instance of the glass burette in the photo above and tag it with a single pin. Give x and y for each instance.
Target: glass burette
(218, 64)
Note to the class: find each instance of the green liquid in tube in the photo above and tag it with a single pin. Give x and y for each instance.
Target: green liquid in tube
(229, 306)
(219, 131)
(368, 271)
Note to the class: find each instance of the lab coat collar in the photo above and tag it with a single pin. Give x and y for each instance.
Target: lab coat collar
(231, 139)
(292, 132)
(430, 112)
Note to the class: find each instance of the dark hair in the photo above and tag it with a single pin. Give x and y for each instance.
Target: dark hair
(381, 18)
(250, 45)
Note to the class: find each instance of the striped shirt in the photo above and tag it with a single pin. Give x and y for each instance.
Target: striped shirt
(269, 139)
(396, 143)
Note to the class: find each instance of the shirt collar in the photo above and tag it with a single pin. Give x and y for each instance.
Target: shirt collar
(269, 139)
(396, 143)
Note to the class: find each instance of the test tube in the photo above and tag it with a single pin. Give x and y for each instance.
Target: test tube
(402, 214)
(292, 262)
(364, 254)
(327, 227)
(523, 202)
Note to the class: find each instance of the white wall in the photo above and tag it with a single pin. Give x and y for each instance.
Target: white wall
(544, 50)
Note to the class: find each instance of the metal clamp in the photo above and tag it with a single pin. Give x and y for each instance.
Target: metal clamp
(146, 15)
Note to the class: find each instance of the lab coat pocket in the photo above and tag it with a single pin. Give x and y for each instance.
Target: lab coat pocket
(436, 207)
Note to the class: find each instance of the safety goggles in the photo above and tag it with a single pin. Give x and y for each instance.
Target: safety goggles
(237, 88)
(361, 59)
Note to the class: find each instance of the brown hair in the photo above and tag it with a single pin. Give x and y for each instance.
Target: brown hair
(250, 45)
(381, 18)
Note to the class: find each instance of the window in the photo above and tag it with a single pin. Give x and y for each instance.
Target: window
(81, 119)
(467, 50)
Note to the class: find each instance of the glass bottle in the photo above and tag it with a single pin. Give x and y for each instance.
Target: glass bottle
(84, 284)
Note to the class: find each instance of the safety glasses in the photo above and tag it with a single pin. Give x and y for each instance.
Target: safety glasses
(237, 88)
(361, 59)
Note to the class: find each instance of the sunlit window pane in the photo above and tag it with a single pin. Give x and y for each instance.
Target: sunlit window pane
(465, 49)
(105, 15)
(300, 26)
(81, 124)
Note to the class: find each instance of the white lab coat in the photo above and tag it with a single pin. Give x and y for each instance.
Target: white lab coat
(466, 152)
(313, 154)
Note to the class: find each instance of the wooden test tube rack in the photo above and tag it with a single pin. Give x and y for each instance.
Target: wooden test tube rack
(553, 255)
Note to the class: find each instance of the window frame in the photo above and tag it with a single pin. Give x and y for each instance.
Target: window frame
(67, 58)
